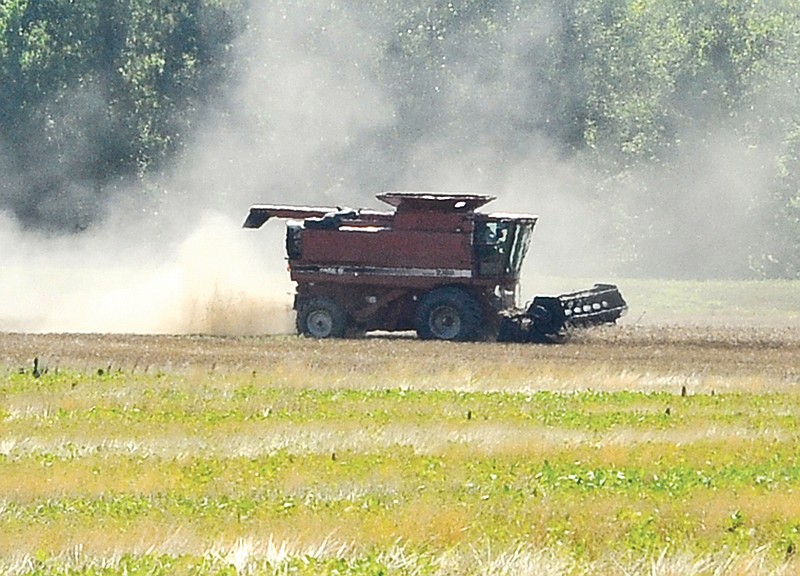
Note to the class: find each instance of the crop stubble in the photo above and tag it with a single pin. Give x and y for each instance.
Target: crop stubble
(743, 354)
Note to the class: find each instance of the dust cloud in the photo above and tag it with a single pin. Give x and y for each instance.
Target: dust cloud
(182, 263)
(215, 280)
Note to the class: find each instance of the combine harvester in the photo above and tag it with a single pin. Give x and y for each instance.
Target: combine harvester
(432, 264)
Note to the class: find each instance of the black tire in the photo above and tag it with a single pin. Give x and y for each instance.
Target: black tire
(321, 318)
(449, 314)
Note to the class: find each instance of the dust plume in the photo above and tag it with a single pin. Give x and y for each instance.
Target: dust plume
(215, 280)
(181, 262)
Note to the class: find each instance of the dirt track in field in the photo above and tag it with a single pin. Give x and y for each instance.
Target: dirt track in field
(769, 355)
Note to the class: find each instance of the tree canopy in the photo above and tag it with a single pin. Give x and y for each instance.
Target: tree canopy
(669, 106)
(95, 92)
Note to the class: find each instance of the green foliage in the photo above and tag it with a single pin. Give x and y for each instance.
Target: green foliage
(644, 93)
(99, 92)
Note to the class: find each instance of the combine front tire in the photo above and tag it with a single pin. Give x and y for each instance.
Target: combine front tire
(321, 318)
(449, 314)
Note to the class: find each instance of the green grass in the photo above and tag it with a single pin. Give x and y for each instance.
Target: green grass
(756, 302)
(720, 301)
(235, 472)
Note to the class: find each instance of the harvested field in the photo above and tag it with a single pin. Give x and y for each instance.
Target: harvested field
(651, 354)
(628, 450)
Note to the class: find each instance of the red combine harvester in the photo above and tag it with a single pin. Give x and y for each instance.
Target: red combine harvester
(433, 264)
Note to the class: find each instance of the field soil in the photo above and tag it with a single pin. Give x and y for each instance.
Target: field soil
(759, 358)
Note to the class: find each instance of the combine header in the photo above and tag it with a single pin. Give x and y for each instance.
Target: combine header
(433, 264)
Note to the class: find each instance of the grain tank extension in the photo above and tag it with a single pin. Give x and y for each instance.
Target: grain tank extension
(433, 264)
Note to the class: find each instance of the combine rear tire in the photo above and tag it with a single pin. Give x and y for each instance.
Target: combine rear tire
(449, 314)
(321, 318)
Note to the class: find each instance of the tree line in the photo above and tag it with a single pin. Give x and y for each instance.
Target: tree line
(642, 93)
(96, 93)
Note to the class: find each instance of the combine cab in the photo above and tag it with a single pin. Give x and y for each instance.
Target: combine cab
(433, 264)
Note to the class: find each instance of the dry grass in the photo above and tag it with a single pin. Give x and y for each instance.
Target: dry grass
(649, 358)
(269, 556)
